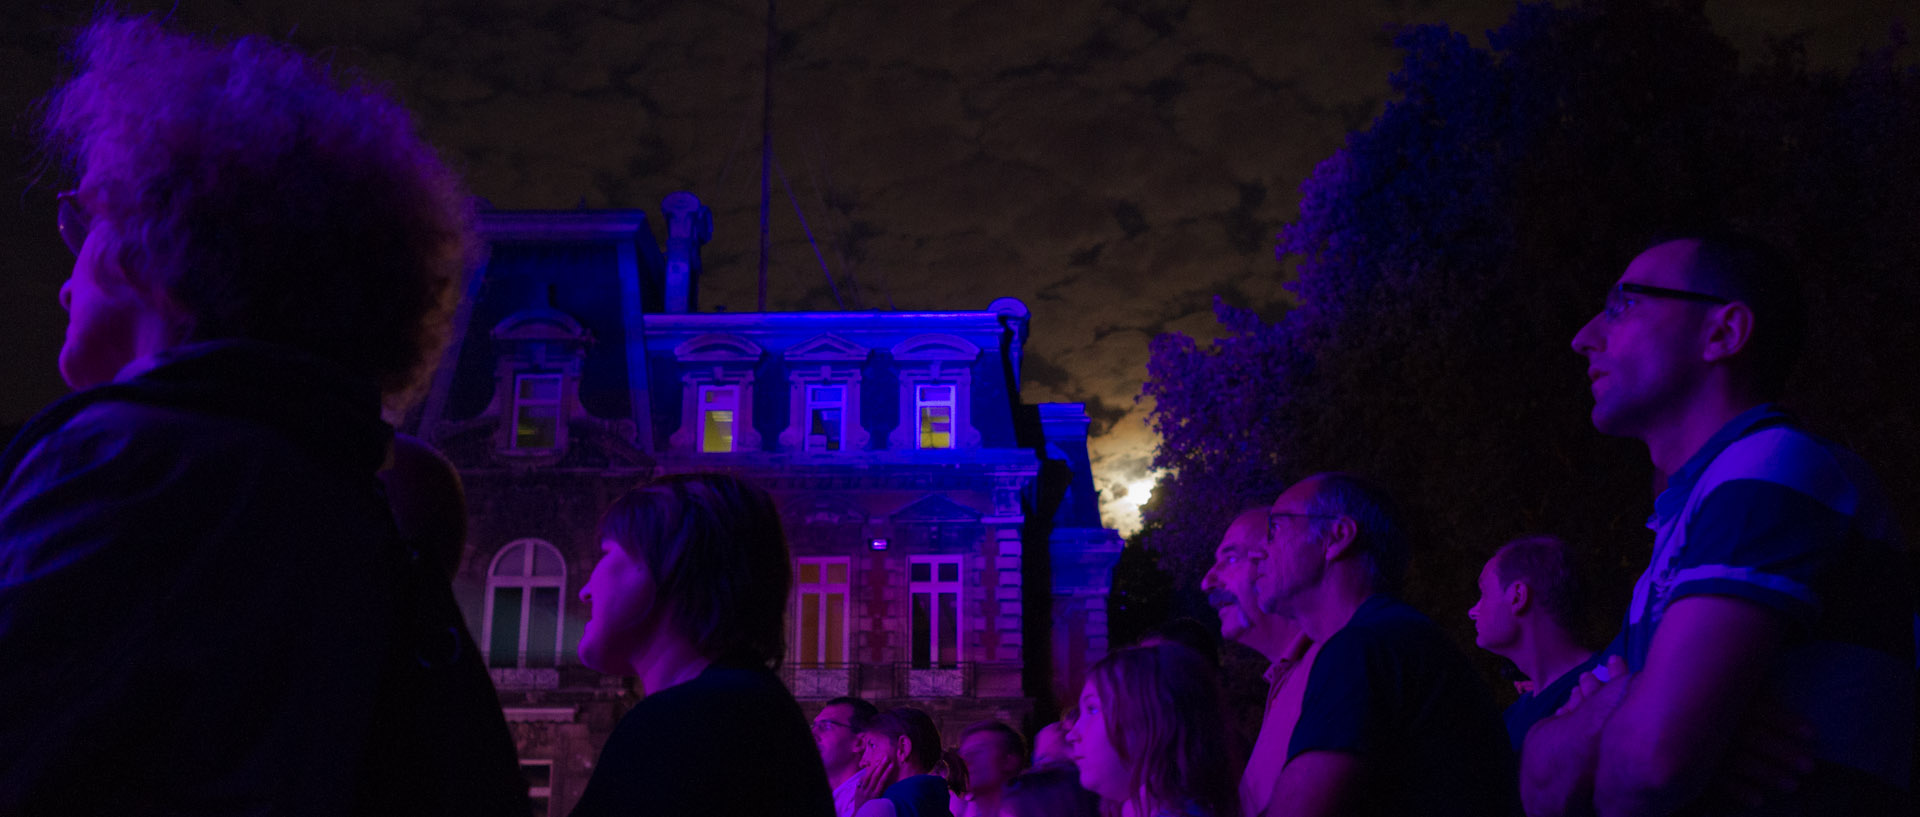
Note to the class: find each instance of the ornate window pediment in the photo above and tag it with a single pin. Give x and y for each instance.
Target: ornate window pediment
(935, 346)
(718, 347)
(829, 346)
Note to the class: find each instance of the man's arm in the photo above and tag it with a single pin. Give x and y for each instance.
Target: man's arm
(1558, 757)
(1316, 784)
(1673, 729)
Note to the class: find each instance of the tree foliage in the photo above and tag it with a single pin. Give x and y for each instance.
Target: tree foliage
(1449, 252)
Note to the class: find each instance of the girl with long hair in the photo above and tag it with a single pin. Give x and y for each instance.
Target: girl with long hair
(1152, 737)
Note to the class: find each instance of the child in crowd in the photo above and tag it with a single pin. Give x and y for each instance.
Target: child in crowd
(1171, 757)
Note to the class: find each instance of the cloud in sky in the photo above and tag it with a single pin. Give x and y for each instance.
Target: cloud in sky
(1113, 164)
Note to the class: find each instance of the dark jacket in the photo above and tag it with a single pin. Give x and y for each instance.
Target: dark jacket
(204, 608)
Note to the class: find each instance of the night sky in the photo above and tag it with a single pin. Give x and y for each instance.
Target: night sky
(1114, 164)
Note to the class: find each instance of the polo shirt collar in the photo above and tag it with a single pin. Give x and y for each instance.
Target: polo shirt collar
(1680, 484)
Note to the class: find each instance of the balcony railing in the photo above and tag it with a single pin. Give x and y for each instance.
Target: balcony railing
(939, 681)
(821, 680)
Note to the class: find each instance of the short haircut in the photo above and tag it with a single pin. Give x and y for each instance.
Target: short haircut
(1164, 717)
(718, 556)
(1542, 562)
(1010, 740)
(1743, 268)
(914, 725)
(1381, 533)
(266, 196)
(863, 711)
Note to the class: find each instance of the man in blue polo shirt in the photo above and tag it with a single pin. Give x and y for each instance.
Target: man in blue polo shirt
(1776, 585)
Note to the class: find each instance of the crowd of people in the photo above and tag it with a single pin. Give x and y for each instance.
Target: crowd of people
(266, 256)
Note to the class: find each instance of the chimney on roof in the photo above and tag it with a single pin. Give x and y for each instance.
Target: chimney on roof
(689, 225)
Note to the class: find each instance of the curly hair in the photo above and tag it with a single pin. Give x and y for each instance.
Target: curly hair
(1165, 719)
(262, 195)
(715, 546)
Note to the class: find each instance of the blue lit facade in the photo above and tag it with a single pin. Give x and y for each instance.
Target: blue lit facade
(947, 539)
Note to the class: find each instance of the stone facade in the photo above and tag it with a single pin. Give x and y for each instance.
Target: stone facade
(948, 549)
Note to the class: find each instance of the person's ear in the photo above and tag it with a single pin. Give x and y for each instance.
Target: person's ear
(1728, 330)
(1341, 534)
(1519, 597)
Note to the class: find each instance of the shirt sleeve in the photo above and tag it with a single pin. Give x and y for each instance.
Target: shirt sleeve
(1762, 541)
(1341, 702)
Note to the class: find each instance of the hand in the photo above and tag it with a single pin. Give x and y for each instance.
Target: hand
(877, 778)
(1772, 755)
(1591, 686)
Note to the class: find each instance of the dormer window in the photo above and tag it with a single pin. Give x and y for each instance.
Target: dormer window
(826, 417)
(934, 405)
(936, 381)
(716, 404)
(536, 411)
(537, 382)
(824, 388)
(719, 411)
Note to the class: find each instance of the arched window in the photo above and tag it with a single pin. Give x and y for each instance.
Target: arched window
(526, 585)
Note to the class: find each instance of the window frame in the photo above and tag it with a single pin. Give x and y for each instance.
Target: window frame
(526, 582)
(520, 403)
(934, 586)
(733, 423)
(920, 406)
(822, 592)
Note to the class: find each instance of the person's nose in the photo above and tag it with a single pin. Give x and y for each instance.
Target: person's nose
(1589, 338)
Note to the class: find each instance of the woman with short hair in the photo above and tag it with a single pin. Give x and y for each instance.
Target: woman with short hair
(690, 596)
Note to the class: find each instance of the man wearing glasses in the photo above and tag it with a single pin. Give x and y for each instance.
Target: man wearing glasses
(1393, 719)
(1229, 585)
(836, 731)
(1776, 586)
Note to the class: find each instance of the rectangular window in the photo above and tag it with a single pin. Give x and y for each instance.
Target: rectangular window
(536, 411)
(934, 586)
(826, 417)
(719, 406)
(539, 775)
(820, 635)
(935, 407)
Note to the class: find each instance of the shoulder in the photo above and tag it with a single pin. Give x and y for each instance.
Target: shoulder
(1382, 625)
(1784, 458)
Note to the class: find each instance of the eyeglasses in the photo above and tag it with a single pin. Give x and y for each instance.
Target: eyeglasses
(824, 725)
(73, 220)
(1274, 517)
(1618, 301)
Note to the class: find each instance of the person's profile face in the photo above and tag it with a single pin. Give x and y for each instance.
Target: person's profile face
(1643, 353)
(620, 597)
(1102, 771)
(1229, 582)
(1294, 559)
(1493, 624)
(104, 316)
(833, 734)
